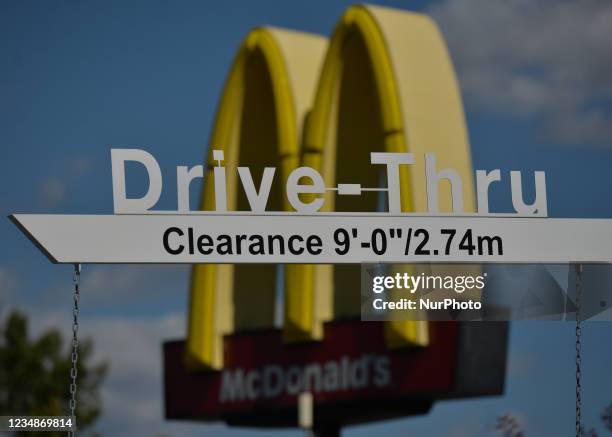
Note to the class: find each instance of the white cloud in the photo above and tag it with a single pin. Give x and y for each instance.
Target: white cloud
(465, 430)
(53, 191)
(545, 59)
(81, 165)
(122, 287)
(520, 363)
(8, 282)
(132, 393)
(131, 282)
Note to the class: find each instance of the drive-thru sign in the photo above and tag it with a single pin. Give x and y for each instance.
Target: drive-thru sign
(326, 154)
(383, 83)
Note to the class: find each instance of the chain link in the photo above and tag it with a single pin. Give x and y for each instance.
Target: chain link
(578, 352)
(76, 278)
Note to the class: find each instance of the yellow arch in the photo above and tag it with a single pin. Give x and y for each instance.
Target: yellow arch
(266, 96)
(416, 107)
(401, 59)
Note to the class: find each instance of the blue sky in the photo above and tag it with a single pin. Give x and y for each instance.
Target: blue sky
(78, 77)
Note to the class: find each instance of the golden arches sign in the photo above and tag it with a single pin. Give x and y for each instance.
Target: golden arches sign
(384, 82)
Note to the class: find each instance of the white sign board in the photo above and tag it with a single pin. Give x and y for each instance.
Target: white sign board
(318, 238)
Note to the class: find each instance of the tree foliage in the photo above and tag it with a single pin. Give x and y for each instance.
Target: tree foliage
(35, 375)
(508, 425)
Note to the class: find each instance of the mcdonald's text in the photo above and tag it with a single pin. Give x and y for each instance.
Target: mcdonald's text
(333, 375)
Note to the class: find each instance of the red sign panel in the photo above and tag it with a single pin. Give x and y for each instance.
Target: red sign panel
(352, 374)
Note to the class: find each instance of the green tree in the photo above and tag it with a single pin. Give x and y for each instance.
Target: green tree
(35, 373)
(508, 425)
(606, 417)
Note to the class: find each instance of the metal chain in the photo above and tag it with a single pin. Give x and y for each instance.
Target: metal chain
(76, 277)
(578, 352)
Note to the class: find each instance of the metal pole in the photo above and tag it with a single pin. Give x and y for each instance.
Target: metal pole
(305, 413)
(327, 431)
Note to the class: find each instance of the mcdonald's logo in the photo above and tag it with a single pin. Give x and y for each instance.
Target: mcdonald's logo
(383, 82)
